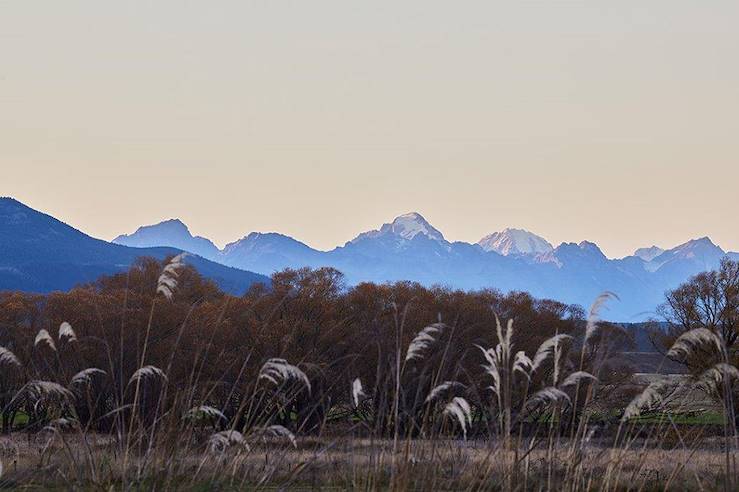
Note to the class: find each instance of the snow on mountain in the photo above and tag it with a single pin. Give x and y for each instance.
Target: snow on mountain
(405, 227)
(701, 249)
(548, 257)
(172, 233)
(648, 254)
(515, 242)
(409, 248)
(408, 225)
(688, 258)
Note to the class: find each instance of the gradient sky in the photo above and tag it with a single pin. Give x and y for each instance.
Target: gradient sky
(616, 122)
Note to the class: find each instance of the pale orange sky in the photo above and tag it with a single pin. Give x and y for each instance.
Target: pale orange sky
(614, 122)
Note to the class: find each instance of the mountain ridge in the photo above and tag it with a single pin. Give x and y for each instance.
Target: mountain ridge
(39, 253)
(410, 248)
(407, 248)
(511, 241)
(171, 232)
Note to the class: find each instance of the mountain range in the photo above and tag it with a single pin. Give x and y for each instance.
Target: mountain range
(409, 248)
(39, 253)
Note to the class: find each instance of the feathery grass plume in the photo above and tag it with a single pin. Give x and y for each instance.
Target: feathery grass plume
(40, 389)
(650, 397)
(546, 348)
(278, 431)
(220, 441)
(167, 282)
(279, 371)
(577, 377)
(556, 365)
(8, 358)
(691, 339)
(357, 392)
(84, 377)
(205, 411)
(67, 333)
(459, 410)
(523, 364)
(444, 388)
(36, 392)
(423, 340)
(504, 339)
(548, 395)
(493, 356)
(148, 372)
(713, 376)
(498, 357)
(44, 337)
(62, 424)
(594, 314)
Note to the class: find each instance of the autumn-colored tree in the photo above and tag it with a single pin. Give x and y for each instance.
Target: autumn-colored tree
(211, 346)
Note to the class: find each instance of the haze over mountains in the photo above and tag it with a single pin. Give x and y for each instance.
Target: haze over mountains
(409, 248)
(515, 242)
(39, 253)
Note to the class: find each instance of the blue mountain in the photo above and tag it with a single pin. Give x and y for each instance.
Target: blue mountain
(172, 233)
(410, 248)
(271, 252)
(39, 253)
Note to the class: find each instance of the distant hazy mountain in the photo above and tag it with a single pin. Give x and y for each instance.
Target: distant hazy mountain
(171, 233)
(687, 259)
(38, 253)
(269, 252)
(515, 242)
(403, 228)
(409, 248)
(648, 254)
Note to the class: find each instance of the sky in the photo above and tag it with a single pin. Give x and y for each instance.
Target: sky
(614, 122)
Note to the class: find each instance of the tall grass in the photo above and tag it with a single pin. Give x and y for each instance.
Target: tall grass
(525, 421)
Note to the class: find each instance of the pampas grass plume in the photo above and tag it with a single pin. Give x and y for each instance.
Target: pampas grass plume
(423, 340)
(279, 371)
(43, 337)
(459, 409)
(67, 333)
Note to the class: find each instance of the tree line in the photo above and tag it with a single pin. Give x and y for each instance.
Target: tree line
(211, 349)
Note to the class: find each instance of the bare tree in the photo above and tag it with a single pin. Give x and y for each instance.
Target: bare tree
(708, 300)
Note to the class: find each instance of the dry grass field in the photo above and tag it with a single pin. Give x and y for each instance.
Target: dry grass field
(305, 388)
(94, 462)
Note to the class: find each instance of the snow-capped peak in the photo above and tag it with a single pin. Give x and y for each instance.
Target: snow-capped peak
(515, 242)
(695, 248)
(648, 254)
(409, 225)
(404, 227)
(702, 251)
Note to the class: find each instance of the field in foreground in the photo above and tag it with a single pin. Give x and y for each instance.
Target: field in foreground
(96, 462)
(310, 387)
